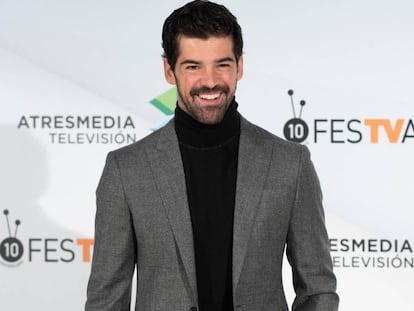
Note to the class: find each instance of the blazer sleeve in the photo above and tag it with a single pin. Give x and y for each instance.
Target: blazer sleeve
(308, 245)
(114, 255)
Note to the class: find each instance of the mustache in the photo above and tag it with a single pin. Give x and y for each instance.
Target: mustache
(204, 89)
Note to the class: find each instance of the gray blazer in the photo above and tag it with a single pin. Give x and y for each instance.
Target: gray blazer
(143, 219)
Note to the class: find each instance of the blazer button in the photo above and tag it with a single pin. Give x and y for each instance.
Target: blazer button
(193, 309)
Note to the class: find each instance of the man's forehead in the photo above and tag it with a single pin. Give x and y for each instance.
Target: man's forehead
(189, 44)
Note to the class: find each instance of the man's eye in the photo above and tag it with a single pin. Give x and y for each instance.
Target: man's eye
(192, 67)
(224, 65)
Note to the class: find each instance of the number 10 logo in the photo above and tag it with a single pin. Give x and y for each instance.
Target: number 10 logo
(296, 130)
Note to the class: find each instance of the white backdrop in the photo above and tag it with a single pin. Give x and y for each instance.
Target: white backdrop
(76, 81)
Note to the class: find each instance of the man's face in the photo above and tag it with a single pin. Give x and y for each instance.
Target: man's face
(206, 75)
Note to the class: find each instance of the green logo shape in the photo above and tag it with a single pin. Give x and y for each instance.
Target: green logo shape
(166, 102)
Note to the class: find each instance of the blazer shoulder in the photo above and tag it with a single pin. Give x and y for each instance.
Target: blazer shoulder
(148, 142)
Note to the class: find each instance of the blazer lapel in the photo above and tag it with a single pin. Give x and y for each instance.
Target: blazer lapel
(168, 172)
(254, 158)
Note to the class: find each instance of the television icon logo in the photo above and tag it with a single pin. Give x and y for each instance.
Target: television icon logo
(296, 129)
(11, 249)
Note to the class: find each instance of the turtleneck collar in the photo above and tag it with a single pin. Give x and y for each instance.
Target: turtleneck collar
(196, 134)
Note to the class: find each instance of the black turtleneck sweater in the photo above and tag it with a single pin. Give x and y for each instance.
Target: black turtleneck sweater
(209, 153)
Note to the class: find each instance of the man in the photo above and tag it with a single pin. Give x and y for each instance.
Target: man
(205, 206)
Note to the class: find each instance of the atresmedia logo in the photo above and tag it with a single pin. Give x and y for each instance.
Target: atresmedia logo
(11, 248)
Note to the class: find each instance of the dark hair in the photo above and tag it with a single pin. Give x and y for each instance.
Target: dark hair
(199, 19)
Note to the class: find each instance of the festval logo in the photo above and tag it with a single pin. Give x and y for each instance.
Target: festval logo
(46, 250)
(334, 130)
(296, 128)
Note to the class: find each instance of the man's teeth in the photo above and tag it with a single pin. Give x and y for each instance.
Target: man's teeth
(209, 96)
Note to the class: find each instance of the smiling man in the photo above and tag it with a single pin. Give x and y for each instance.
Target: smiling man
(206, 206)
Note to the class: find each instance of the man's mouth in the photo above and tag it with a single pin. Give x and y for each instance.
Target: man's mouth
(209, 96)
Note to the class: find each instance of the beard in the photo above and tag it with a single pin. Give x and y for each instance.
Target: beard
(207, 114)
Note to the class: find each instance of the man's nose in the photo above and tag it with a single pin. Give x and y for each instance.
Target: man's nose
(210, 77)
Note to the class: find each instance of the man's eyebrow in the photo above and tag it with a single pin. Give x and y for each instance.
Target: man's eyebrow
(195, 62)
(226, 59)
(190, 62)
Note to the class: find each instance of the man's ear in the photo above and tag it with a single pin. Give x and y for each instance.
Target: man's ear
(240, 68)
(169, 73)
